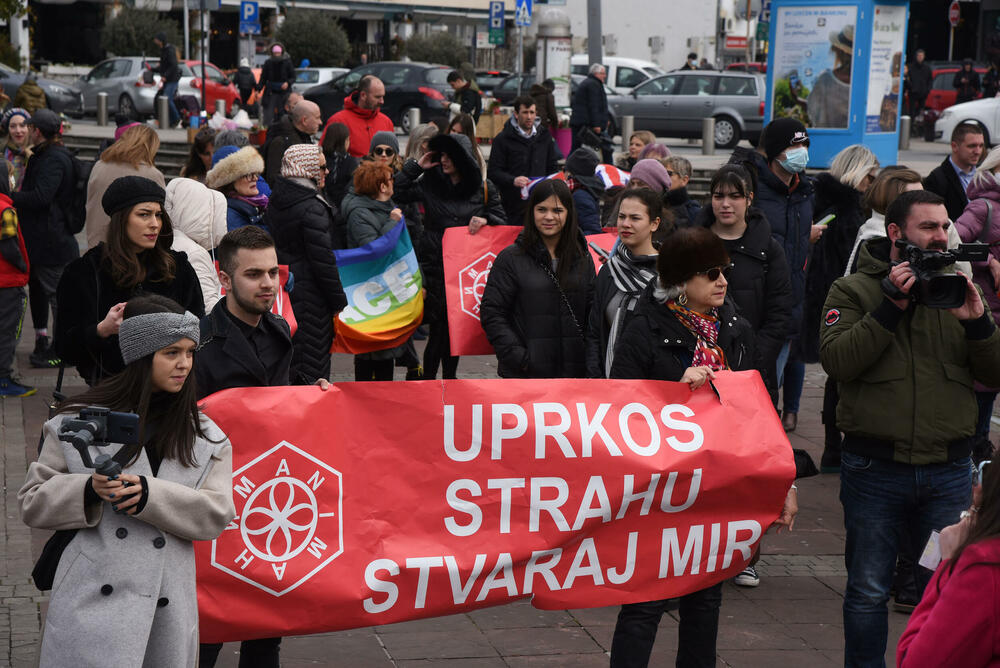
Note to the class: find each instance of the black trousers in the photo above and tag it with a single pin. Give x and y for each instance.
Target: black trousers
(259, 653)
(635, 631)
(438, 352)
(42, 283)
(367, 369)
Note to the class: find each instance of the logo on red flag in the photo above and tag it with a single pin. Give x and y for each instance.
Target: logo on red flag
(472, 283)
(288, 523)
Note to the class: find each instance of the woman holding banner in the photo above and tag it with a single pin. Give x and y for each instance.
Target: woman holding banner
(371, 214)
(685, 329)
(448, 182)
(539, 291)
(624, 277)
(127, 559)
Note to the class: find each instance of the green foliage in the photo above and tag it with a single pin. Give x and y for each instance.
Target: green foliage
(11, 8)
(786, 104)
(131, 32)
(439, 48)
(8, 54)
(314, 35)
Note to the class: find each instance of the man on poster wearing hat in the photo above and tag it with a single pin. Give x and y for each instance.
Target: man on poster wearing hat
(831, 94)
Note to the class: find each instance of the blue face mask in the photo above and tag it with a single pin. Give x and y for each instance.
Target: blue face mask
(795, 160)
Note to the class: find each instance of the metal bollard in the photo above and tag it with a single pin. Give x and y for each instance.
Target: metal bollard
(628, 127)
(708, 136)
(220, 106)
(162, 112)
(102, 108)
(413, 117)
(905, 126)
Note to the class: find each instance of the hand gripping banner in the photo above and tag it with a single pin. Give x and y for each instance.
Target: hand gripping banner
(468, 259)
(375, 503)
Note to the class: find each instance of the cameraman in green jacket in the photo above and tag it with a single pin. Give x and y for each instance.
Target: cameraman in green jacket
(907, 408)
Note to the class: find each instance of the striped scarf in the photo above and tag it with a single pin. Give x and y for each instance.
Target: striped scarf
(630, 280)
(705, 327)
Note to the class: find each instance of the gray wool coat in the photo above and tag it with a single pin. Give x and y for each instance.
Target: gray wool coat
(125, 586)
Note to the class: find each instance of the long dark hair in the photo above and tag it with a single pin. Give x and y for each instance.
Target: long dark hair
(569, 248)
(732, 176)
(176, 417)
(128, 268)
(195, 168)
(335, 139)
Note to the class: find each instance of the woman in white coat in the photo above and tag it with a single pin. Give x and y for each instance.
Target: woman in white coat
(124, 589)
(198, 216)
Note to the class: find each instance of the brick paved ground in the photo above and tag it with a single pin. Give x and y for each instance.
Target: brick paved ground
(792, 619)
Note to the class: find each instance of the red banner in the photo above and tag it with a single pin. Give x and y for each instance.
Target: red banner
(477, 493)
(468, 259)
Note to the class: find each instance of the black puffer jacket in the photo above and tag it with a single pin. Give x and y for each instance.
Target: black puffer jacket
(514, 155)
(830, 254)
(300, 221)
(657, 346)
(760, 286)
(527, 321)
(446, 204)
(85, 295)
(41, 206)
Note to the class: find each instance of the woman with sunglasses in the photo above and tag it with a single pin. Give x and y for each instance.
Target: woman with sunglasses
(538, 295)
(447, 182)
(234, 173)
(686, 329)
(300, 220)
(385, 149)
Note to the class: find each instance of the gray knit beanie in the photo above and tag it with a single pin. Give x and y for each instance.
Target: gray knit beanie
(143, 335)
(384, 138)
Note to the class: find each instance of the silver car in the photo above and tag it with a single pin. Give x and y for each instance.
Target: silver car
(62, 99)
(673, 105)
(307, 77)
(130, 86)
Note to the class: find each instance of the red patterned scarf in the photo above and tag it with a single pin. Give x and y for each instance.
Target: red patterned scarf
(705, 327)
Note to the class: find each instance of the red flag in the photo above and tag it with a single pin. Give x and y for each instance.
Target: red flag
(375, 503)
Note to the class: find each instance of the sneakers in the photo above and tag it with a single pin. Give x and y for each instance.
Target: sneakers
(9, 387)
(748, 578)
(43, 357)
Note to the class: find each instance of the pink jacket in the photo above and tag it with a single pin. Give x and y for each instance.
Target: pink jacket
(957, 623)
(970, 226)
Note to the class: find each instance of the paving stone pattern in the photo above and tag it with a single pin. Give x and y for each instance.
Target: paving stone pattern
(792, 619)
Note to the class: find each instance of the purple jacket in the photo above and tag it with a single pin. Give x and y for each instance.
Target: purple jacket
(970, 227)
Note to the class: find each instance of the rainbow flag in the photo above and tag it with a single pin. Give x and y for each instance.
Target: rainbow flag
(384, 288)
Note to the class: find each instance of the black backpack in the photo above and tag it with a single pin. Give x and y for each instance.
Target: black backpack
(75, 209)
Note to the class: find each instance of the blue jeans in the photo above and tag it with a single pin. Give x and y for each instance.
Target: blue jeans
(169, 90)
(881, 500)
(791, 377)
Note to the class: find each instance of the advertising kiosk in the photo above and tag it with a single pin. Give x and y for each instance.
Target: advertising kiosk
(838, 66)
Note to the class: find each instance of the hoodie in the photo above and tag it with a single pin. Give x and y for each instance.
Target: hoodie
(198, 216)
(363, 124)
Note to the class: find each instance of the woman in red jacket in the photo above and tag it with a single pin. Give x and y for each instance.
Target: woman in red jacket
(955, 623)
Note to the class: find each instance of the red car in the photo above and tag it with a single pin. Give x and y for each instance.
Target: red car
(760, 68)
(943, 94)
(218, 84)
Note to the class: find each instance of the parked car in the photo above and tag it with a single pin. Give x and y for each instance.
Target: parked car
(624, 74)
(507, 91)
(62, 99)
(219, 86)
(131, 87)
(307, 77)
(759, 68)
(985, 112)
(674, 105)
(407, 86)
(943, 93)
(487, 80)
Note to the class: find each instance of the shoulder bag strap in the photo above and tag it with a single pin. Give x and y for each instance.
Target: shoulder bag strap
(565, 300)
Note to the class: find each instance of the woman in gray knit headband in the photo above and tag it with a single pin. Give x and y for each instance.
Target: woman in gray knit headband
(133, 531)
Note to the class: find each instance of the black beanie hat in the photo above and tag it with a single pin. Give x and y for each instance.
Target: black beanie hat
(782, 133)
(131, 190)
(686, 252)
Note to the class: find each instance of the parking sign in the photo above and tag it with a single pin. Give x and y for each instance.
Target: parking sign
(249, 17)
(496, 22)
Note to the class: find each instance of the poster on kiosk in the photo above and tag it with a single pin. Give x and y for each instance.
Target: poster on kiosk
(837, 67)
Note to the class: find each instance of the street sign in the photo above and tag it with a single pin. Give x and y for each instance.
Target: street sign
(522, 16)
(954, 14)
(736, 43)
(249, 17)
(496, 22)
(762, 27)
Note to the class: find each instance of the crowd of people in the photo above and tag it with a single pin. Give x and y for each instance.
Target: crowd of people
(775, 270)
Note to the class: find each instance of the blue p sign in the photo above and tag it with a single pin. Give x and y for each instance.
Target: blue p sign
(248, 11)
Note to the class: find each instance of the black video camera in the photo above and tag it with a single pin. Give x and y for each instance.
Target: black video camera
(100, 426)
(935, 287)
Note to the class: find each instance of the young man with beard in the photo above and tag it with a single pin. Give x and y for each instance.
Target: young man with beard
(243, 344)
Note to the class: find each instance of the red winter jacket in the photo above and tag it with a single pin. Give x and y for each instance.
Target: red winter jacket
(13, 255)
(363, 124)
(956, 622)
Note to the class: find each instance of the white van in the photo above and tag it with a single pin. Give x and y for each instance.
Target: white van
(624, 74)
